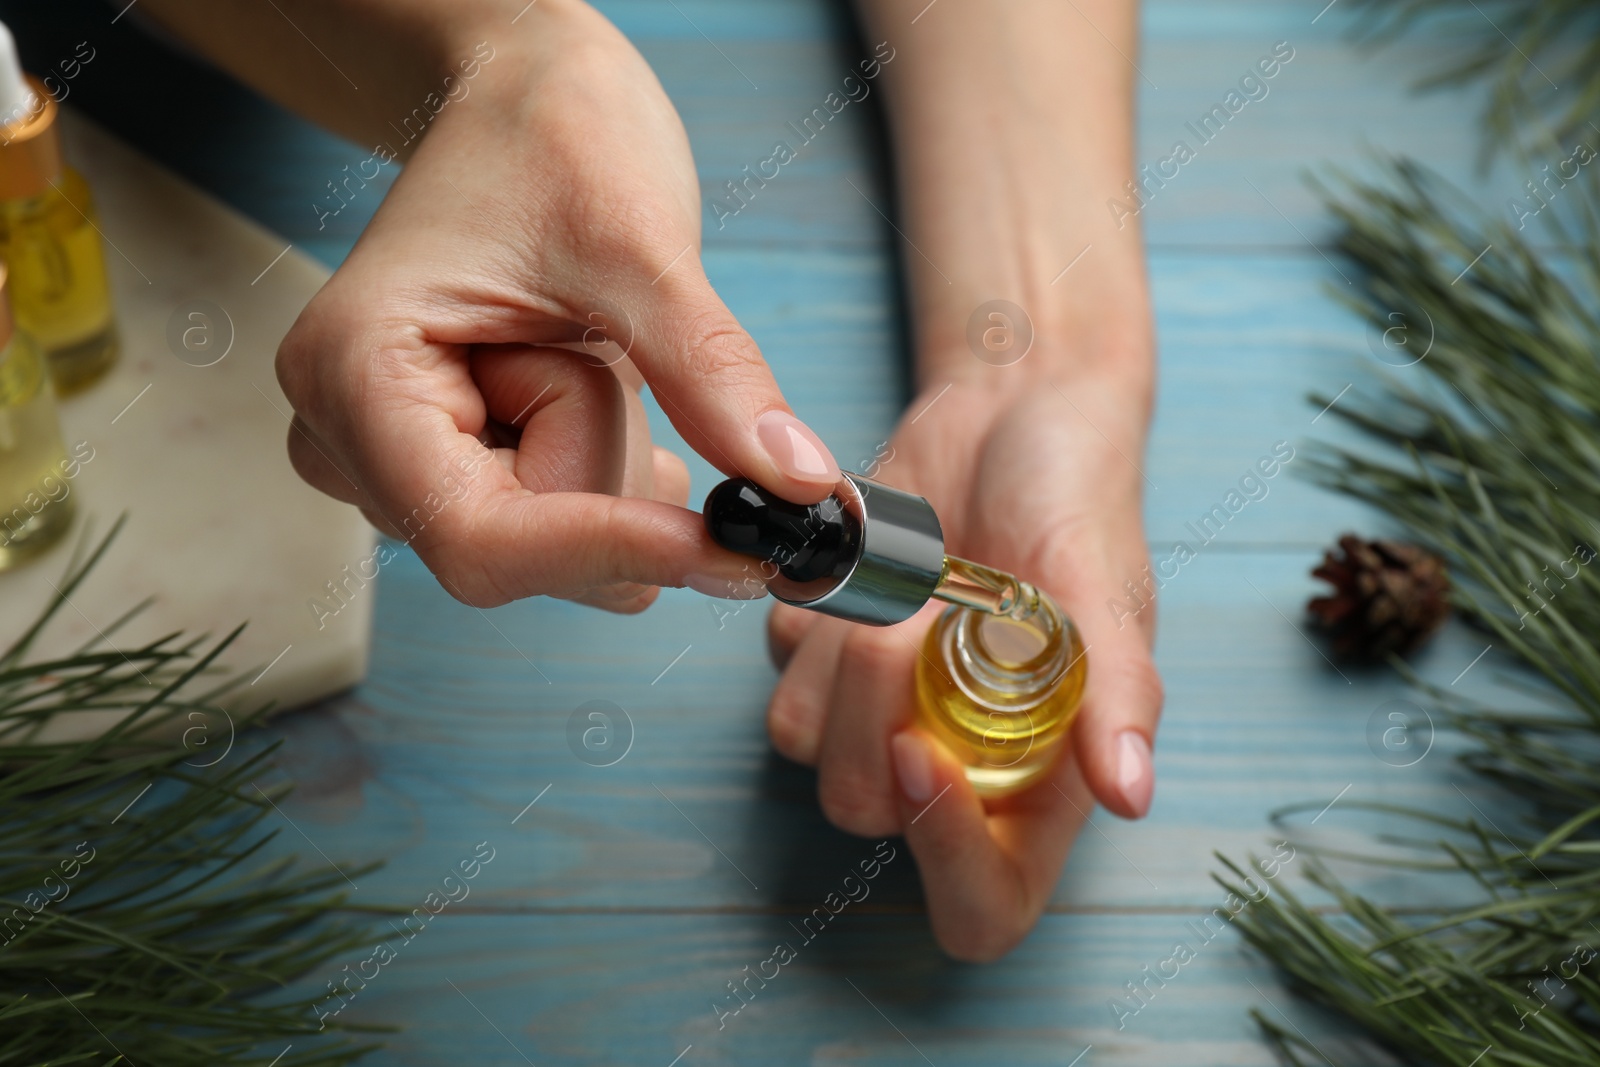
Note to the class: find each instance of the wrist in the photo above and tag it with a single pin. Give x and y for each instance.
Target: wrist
(1036, 237)
(524, 38)
(1089, 318)
(515, 26)
(558, 58)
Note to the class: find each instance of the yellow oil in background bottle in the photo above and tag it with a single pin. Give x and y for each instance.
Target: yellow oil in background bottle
(49, 239)
(35, 498)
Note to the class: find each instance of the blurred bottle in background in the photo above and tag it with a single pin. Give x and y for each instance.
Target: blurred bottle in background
(49, 238)
(35, 497)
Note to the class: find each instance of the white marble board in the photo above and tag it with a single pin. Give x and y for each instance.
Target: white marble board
(220, 530)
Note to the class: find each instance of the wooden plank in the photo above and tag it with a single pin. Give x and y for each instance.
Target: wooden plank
(1244, 190)
(464, 723)
(1244, 339)
(1333, 101)
(634, 989)
(626, 896)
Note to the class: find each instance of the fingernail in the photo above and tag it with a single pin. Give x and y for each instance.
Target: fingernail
(913, 765)
(746, 588)
(1136, 776)
(797, 451)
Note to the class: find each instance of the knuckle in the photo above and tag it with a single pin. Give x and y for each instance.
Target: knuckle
(622, 223)
(1146, 691)
(719, 347)
(378, 522)
(978, 940)
(304, 458)
(453, 553)
(784, 633)
(630, 603)
(293, 366)
(467, 590)
(591, 382)
(797, 714)
(305, 353)
(879, 652)
(625, 546)
(855, 805)
(299, 446)
(638, 603)
(790, 728)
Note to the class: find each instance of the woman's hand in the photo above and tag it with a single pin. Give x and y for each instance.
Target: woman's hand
(1012, 126)
(469, 376)
(1034, 475)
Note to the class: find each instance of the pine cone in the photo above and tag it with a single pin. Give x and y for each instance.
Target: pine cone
(1388, 596)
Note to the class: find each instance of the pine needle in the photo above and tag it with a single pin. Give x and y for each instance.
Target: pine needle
(138, 922)
(1488, 451)
(1539, 58)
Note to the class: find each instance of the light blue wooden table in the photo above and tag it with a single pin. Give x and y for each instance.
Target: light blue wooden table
(618, 906)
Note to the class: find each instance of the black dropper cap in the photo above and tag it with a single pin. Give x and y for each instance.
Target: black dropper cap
(804, 541)
(867, 553)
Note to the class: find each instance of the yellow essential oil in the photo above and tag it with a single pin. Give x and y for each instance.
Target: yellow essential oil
(1002, 670)
(35, 508)
(51, 243)
(1000, 691)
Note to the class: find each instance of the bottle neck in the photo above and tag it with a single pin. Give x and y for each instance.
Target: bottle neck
(1007, 663)
(30, 148)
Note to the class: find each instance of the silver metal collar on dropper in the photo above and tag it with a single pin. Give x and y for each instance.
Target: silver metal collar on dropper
(869, 553)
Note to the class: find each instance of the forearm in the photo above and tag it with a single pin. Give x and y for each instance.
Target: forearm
(359, 67)
(1012, 125)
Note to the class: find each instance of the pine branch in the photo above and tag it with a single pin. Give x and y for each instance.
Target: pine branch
(1487, 449)
(1539, 58)
(137, 917)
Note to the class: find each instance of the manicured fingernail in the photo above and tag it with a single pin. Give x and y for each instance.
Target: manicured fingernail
(1136, 776)
(913, 765)
(746, 588)
(797, 451)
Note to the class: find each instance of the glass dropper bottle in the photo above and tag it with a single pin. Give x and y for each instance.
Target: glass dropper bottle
(36, 505)
(1001, 671)
(48, 235)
